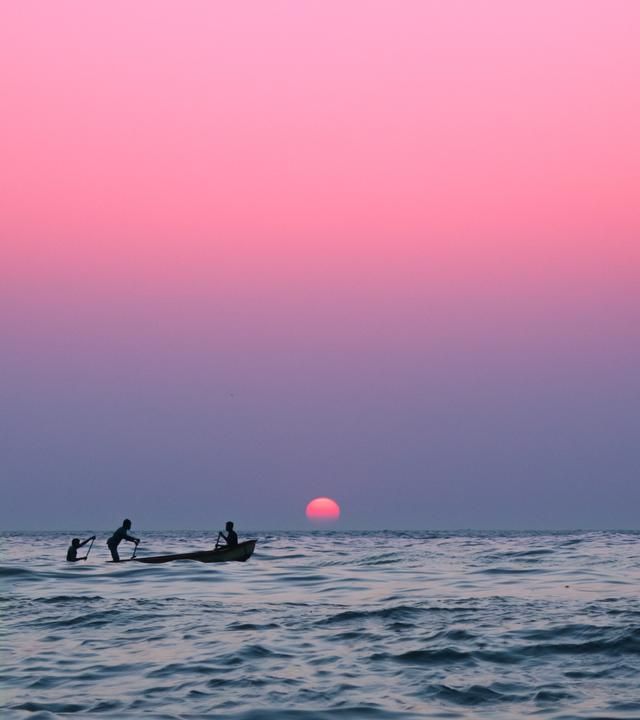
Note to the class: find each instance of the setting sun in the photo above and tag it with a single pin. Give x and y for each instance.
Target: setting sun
(323, 509)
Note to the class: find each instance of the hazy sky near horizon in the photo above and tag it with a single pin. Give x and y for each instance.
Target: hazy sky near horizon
(251, 253)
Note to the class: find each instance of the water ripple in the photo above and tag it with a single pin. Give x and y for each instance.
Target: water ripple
(336, 625)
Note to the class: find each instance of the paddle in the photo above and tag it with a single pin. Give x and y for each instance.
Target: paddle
(89, 550)
(217, 541)
(134, 551)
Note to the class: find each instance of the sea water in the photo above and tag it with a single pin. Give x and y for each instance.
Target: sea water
(326, 625)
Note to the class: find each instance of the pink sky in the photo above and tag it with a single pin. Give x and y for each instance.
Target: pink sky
(401, 156)
(296, 128)
(434, 180)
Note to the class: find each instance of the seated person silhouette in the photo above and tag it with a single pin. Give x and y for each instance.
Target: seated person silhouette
(231, 538)
(122, 533)
(72, 552)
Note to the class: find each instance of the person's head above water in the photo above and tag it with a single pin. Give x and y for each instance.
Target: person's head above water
(229, 525)
(75, 542)
(126, 523)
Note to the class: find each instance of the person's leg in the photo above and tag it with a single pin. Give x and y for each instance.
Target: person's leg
(114, 553)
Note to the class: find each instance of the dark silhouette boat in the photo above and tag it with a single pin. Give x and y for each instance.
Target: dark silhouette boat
(240, 553)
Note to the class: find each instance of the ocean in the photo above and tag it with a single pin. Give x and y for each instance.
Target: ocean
(325, 625)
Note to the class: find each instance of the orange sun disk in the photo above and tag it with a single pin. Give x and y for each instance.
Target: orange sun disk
(323, 509)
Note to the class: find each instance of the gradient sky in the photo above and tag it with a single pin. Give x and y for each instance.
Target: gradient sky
(255, 252)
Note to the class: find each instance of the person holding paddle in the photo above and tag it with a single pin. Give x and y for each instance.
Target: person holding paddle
(72, 552)
(231, 538)
(122, 533)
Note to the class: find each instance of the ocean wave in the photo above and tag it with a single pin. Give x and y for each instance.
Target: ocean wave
(240, 626)
(510, 570)
(536, 555)
(435, 656)
(349, 712)
(8, 571)
(172, 670)
(90, 619)
(470, 696)
(53, 708)
(70, 599)
(340, 626)
(622, 643)
(398, 612)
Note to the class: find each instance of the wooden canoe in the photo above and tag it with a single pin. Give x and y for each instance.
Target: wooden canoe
(241, 552)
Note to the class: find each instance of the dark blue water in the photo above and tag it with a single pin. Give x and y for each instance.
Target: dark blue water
(345, 625)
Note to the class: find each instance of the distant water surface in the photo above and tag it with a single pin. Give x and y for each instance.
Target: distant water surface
(326, 625)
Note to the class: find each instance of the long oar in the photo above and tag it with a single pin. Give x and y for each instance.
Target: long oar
(89, 550)
(134, 551)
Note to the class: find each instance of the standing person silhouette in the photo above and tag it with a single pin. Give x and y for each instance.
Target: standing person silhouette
(72, 552)
(231, 538)
(122, 533)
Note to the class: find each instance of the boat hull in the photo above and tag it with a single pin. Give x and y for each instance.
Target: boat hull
(240, 553)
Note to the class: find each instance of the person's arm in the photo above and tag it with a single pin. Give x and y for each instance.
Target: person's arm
(132, 539)
(84, 542)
